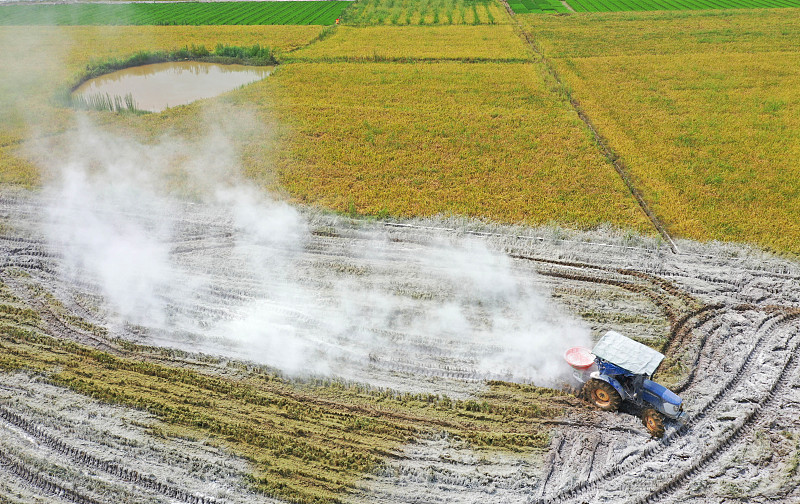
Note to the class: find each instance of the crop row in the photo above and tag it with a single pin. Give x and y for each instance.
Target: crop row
(186, 13)
(307, 442)
(425, 12)
(658, 5)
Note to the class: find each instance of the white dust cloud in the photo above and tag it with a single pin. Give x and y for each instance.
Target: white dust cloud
(119, 221)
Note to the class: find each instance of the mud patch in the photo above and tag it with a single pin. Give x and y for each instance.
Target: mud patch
(728, 318)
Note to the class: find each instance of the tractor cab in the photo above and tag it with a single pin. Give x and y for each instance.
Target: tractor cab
(620, 369)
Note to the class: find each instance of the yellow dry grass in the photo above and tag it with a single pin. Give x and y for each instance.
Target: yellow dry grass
(483, 139)
(705, 116)
(479, 42)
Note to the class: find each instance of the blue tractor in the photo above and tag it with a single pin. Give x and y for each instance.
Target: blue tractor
(619, 369)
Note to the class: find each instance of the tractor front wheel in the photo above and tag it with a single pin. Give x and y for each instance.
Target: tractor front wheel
(653, 422)
(602, 395)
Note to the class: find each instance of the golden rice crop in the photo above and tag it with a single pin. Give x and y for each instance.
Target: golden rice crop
(712, 140)
(39, 62)
(672, 32)
(704, 108)
(418, 42)
(481, 139)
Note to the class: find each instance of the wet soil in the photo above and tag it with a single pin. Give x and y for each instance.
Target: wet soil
(729, 315)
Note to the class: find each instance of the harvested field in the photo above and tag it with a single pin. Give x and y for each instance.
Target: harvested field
(726, 317)
(115, 448)
(725, 108)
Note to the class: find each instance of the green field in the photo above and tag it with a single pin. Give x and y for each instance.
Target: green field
(537, 6)
(666, 5)
(551, 6)
(186, 13)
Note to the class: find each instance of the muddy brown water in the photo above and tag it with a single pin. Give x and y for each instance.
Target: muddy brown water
(159, 86)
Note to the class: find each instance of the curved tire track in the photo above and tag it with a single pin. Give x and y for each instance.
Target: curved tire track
(620, 470)
(727, 442)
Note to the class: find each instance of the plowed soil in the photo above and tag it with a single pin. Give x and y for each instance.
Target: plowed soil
(727, 317)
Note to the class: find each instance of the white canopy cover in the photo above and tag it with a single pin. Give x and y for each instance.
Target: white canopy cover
(627, 354)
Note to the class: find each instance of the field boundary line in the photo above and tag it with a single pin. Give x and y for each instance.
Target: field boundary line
(401, 59)
(616, 162)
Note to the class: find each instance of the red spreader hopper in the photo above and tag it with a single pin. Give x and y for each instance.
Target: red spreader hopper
(580, 358)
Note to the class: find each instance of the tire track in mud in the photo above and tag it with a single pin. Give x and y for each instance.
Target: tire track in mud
(725, 444)
(667, 288)
(54, 322)
(678, 333)
(43, 483)
(680, 330)
(621, 470)
(554, 455)
(689, 380)
(682, 324)
(59, 326)
(88, 460)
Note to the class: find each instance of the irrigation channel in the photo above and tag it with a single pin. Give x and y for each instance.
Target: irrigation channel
(374, 302)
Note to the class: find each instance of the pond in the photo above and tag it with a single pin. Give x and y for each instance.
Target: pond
(159, 86)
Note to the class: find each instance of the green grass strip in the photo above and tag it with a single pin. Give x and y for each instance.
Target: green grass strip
(537, 6)
(658, 5)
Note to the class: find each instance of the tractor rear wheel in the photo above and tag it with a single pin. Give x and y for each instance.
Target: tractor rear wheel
(654, 422)
(602, 395)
